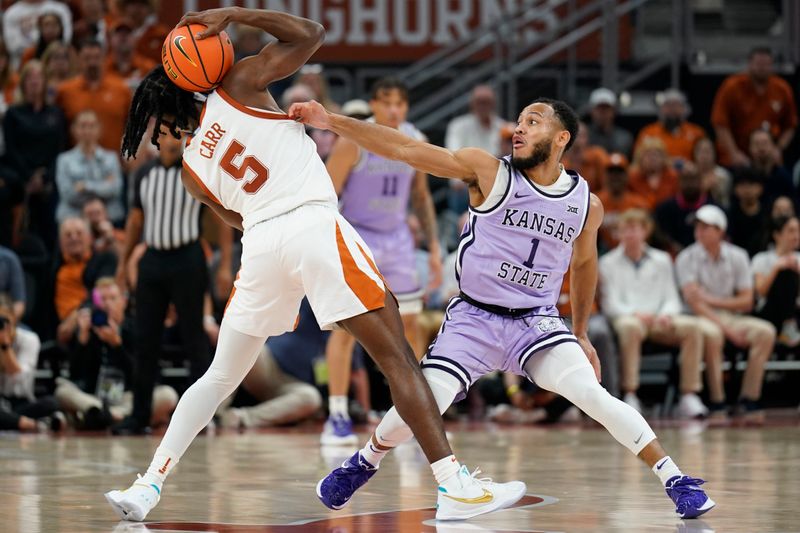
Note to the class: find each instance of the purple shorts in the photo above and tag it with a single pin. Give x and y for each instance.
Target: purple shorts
(396, 260)
(472, 342)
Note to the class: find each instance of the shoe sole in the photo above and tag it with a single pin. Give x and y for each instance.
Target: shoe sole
(488, 509)
(319, 495)
(701, 511)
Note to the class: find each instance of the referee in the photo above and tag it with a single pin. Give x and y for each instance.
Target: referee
(172, 270)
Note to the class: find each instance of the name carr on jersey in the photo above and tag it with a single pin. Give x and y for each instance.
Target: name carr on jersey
(211, 139)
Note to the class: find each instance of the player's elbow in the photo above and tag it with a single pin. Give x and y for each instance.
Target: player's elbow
(315, 32)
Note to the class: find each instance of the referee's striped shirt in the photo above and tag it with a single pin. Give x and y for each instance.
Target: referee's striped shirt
(171, 214)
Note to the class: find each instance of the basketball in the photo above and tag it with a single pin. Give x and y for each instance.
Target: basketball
(196, 64)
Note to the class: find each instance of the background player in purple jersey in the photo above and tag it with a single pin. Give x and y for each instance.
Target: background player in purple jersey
(529, 220)
(374, 194)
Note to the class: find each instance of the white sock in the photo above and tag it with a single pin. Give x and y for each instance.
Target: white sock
(163, 463)
(665, 468)
(445, 470)
(337, 405)
(372, 454)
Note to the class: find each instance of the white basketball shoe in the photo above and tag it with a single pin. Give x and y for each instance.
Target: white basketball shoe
(475, 496)
(136, 501)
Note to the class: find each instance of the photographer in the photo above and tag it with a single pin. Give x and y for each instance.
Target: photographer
(101, 364)
(19, 353)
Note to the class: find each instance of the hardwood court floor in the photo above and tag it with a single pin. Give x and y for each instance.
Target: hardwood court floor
(578, 479)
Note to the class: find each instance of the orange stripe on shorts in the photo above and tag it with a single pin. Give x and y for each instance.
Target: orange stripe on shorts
(364, 287)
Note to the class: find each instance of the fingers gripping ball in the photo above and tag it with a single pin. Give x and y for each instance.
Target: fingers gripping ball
(196, 64)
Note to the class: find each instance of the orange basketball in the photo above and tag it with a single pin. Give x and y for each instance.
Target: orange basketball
(196, 64)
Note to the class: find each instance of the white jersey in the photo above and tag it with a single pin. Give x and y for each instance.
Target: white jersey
(254, 162)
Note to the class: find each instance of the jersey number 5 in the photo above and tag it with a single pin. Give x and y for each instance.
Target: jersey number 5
(248, 163)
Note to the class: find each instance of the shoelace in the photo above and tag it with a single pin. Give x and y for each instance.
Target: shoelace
(482, 480)
(687, 484)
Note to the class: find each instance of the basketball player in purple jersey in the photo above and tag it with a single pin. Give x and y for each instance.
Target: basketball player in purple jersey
(374, 194)
(529, 221)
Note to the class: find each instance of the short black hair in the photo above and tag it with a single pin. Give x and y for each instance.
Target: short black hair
(760, 50)
(388, 83)
(157, 97)
(89, 42)
(566, 115)
(779, 222)
(746, 175)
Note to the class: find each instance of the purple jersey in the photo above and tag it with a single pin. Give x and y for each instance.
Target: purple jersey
(377, 191)
(514, 253)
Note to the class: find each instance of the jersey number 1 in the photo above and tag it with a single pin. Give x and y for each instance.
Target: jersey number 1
(534, 247)
(248, 163)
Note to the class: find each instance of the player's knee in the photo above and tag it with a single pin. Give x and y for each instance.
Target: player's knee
(310, 398)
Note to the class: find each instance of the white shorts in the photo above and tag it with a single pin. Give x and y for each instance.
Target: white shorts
(311, 251)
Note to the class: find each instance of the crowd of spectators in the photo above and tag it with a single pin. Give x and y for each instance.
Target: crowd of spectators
(101, 259)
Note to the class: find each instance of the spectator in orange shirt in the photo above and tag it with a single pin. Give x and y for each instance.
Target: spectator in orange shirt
(60, 64)
(678, 134)
(123, 60)
(148, 33)
(756, 99)
(51, 30)
(589, 161)
(616, 199)
(8, 79)
(652, 175)
(106, 95)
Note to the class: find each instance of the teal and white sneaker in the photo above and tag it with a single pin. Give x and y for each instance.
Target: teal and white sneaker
(134, 502)
(476, 496)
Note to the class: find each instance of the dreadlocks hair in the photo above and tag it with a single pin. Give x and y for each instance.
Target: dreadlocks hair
(157, 97)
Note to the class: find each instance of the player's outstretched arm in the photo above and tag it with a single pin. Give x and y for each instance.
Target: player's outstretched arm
(583, 279)
(471, 165)
(297, 39)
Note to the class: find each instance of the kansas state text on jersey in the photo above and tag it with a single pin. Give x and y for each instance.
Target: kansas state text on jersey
(515, 248)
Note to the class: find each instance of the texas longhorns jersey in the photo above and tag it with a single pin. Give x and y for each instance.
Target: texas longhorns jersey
(257, 163)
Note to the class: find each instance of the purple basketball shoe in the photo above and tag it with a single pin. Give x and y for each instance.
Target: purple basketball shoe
(336, 489)
(690, 500)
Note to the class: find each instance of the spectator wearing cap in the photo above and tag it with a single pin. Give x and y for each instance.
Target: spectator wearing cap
(715, 179)
(678, 134)
(717, 284)
(20, 29)
(755, 99)
(777, 280)
(357, 109)
(675, 216)
(749, 218)
(149, 34)
(652, 175)
(640, 298)
(88, 169)
(765, 160)
(602, 130)
(51, 30)
(12, 281)
(616, 199)
(313, 75)
(123, 60)
(108, 96)
(589, 161)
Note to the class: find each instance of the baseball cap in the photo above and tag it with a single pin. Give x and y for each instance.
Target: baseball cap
(603, 96)
(713, 216)
(356, 107)
(672, 95)
(617, 160)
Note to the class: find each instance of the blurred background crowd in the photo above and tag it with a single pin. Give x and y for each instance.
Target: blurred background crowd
(104, 320)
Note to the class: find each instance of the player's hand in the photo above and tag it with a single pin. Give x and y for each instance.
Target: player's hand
(311, 114)
(215, 20)
(591, 354)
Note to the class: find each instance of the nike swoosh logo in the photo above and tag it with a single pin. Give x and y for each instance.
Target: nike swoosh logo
(658, 467)
(485, 498)
(639, 438)
(179, 45)
(518, 195)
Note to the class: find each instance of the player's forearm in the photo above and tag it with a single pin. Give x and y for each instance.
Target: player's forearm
(231, 218)
(380, 140)
(583, 282)
(422, 203)
(283, 26)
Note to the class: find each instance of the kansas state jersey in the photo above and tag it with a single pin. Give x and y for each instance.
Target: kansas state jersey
(514, 253)
(254, 162)
(377, 190)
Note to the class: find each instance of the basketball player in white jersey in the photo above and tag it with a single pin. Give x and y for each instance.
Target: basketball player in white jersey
(259, 172)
